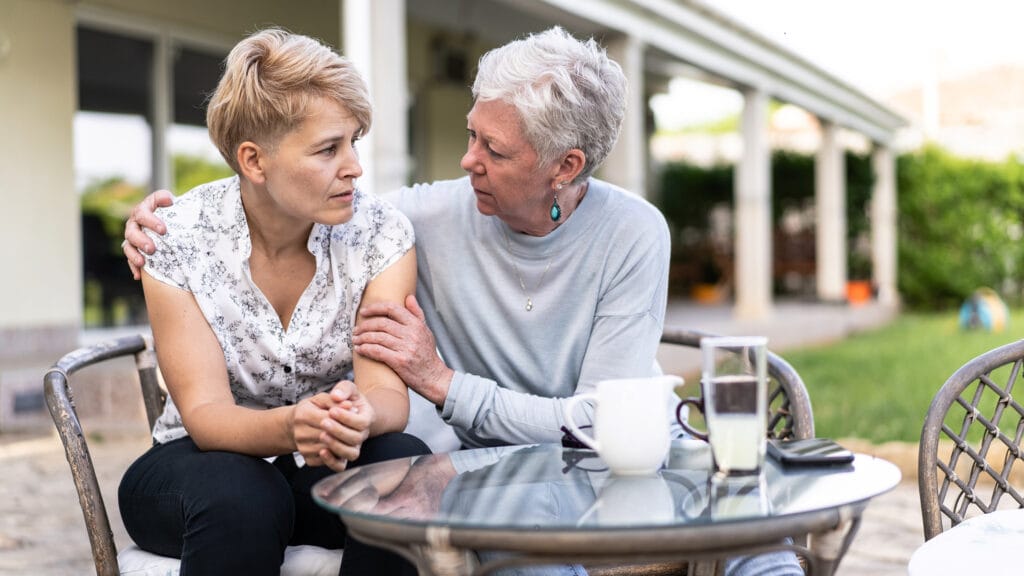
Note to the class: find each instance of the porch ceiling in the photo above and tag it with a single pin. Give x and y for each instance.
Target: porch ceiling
(688, 38)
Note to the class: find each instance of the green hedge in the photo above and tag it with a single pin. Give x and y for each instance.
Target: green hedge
(960, 228)
(960, 221)
(690, 192)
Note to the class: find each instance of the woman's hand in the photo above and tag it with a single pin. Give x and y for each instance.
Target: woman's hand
(330, 428)
(399, 337)
(307, 420)
(136, 243)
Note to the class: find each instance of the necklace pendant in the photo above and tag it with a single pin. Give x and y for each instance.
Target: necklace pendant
(529, 304)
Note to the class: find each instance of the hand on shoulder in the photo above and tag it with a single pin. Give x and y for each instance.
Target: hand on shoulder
(136, 243)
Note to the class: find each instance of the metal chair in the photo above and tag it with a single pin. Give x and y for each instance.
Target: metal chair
(298, 559)
(971, 440)
(789, 417)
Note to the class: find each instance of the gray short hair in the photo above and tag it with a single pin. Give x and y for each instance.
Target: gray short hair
(568, 93)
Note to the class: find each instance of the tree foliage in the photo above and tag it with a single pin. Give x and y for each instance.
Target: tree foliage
(959, 228)
(691, 192)
(960, 221)
(111, 199)
(191, 171)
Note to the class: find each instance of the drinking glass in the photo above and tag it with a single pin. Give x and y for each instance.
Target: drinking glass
(734, 383)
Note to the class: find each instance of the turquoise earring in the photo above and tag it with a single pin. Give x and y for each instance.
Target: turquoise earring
(556, 210)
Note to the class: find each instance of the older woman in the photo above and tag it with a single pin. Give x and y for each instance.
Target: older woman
(251, 296)
(536, 280)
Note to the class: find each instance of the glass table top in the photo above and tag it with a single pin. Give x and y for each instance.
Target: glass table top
(547, 487)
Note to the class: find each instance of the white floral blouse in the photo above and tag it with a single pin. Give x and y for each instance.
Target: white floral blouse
(206, 251)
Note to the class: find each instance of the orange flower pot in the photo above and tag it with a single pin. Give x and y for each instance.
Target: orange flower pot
(707, 293)
(858, 292)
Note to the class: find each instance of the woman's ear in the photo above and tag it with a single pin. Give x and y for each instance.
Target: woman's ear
(250, 161)
(571, 165)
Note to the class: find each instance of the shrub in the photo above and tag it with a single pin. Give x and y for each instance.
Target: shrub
(959, 228)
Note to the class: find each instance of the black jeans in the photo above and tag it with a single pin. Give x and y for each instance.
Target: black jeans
(227, 513)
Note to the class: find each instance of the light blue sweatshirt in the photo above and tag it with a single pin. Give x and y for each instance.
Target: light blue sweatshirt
(597, 312)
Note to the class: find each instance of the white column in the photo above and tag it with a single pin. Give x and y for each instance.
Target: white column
(883, 225)
(374, 38)
(830, 202)
(752, 237)
(626, 164)
(161, 112)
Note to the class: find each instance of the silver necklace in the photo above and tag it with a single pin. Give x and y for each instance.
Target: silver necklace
(519, 276)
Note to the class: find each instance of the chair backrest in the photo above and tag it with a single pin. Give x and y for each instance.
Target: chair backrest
(62, 408)
(789, 406)
(971, 440)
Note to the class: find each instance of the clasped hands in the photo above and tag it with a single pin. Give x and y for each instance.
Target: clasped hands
(330, 428)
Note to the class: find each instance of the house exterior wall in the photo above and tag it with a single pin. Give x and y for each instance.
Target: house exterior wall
(39, 250)
(40, 295)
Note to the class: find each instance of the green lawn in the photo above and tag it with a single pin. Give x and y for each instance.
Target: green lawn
(878, 385)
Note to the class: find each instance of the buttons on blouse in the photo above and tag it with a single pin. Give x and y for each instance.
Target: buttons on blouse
(287, 369)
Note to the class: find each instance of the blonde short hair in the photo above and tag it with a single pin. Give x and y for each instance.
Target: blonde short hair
(269, 80)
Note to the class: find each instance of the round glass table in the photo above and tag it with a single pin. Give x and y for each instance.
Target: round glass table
(544, 504)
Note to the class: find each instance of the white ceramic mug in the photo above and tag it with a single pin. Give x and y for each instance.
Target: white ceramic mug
(631, 500)
(631, 422)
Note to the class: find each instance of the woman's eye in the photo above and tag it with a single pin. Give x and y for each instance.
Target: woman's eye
(330, 150)
(490, 151)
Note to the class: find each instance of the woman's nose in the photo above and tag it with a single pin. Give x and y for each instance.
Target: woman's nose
(469, 162)
(351, 168)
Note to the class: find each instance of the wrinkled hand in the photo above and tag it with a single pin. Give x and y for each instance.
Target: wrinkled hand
(136, 243)
(330, 428)
(399, 337)
(418, 496)
(394, 487)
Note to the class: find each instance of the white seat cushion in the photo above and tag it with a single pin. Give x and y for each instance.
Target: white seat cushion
(298, 561)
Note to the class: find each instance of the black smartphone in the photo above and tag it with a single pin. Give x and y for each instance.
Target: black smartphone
(812, 451)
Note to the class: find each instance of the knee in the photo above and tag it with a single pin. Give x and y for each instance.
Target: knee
(780, 563)
(255, 500)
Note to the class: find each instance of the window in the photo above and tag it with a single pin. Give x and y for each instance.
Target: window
(124, 133)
